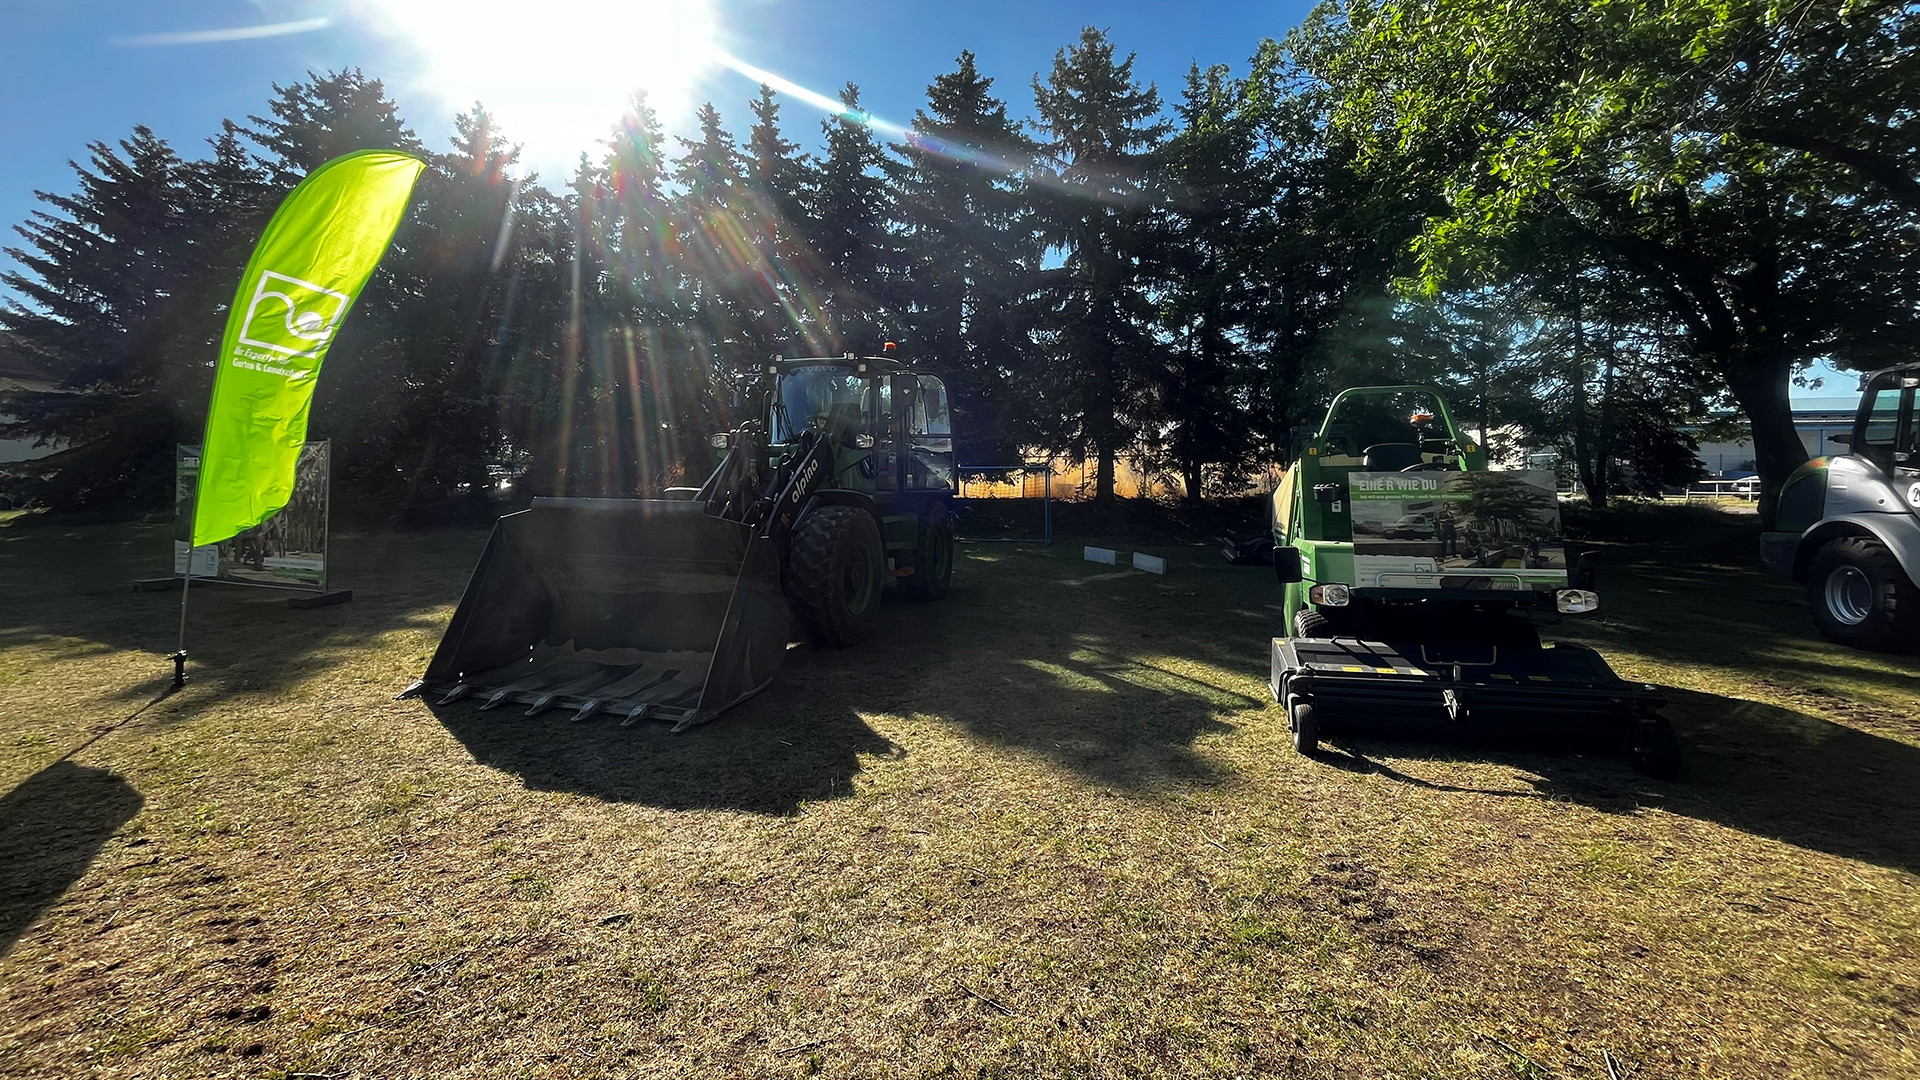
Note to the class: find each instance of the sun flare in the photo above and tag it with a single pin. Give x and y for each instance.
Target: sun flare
(557, 73)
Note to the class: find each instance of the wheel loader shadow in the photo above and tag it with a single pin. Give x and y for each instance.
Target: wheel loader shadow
(1762, 769)
(770, 755)
(51, 827)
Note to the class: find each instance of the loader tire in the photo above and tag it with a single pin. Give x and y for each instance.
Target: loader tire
(836, 575)
(932, 557)
(1861, 597)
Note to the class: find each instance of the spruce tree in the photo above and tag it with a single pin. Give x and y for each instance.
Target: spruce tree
(1103, 129)
(848, 232)
(970, 250)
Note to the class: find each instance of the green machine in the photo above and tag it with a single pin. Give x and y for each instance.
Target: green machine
(1848, 525)
(675, 609)
(1412, 574)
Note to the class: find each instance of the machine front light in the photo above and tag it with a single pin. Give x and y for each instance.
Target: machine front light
(1576, 601)
(721, 441)
(1330, 595)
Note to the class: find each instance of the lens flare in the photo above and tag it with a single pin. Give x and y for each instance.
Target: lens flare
(557, 74)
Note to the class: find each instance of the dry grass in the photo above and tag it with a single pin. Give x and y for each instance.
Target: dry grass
(1050, 827)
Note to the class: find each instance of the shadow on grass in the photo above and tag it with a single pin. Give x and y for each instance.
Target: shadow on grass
(73, 586)
(1025, 653)
(756, 758)
(51, 827)
(1761, 769)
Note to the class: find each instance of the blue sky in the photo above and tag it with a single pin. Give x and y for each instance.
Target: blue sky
(73, 71)
(69, 72)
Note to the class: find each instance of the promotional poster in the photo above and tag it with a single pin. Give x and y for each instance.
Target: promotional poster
(1457, 530)
(288, 550)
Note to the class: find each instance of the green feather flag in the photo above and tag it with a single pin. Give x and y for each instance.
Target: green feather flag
(314, 258)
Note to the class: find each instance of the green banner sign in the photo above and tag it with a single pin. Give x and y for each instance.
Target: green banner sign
(314, 258)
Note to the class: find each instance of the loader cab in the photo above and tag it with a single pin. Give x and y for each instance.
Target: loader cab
(1886, 431)
(892, 427)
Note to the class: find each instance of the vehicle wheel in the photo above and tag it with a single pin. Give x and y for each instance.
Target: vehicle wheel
(1316, 623)
(1656, 750)
(1860, 596)
(836, 574)
(933, 558)
(1306, 730)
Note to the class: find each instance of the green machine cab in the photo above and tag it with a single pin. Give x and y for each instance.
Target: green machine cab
(1411, 574)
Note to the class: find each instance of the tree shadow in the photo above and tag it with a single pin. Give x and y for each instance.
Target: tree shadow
(51, 827)
(1762, 769)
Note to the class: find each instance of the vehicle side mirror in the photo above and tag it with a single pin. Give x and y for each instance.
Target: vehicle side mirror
(1286, 564)
(1586, 571)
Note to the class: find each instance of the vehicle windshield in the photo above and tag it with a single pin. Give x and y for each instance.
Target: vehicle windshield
(817, 398)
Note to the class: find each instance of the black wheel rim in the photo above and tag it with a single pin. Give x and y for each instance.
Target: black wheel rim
(942, 555)
(858, 586)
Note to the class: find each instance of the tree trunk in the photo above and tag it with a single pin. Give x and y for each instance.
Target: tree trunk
(1103, 474)
(1190, 476)
(1760, 386)
(1586, 459)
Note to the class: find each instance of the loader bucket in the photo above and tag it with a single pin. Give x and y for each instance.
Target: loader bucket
(624, 607)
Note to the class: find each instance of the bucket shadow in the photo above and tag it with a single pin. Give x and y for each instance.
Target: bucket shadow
(770, 755)
(1762, 769)
(51, 827)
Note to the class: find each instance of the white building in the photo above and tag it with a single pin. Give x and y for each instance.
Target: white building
(1816, 419)
(17, 373)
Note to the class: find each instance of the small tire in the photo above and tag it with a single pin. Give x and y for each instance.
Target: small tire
(1306, 729)
(836, 574)
(1860, 596)
(1311, 622)
(932, 557)
(1656, 751)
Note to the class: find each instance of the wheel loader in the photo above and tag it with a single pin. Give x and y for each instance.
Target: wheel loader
(1848, 525)
(676, 609)
(1412, 575)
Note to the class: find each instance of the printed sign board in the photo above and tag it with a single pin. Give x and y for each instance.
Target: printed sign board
(1457, 530)
(288, 550)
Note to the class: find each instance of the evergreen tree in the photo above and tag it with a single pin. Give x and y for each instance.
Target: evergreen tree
(1103, 129)
(1219, 191)
(126, 283)
(970, 250)
(848, 232)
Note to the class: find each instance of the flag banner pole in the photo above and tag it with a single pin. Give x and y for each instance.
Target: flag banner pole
(180, 652)
(305, 273)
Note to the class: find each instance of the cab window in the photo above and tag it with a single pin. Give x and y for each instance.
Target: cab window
(1887, 433)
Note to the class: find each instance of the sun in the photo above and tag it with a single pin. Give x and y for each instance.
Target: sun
(557, 73)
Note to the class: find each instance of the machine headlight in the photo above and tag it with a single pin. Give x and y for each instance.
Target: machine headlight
(1576, 601)
(1330, 595)
(721, 441)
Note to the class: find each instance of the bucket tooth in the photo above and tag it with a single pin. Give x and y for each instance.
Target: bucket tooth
(413, 690)
(636, 714)
(495, 699)
(458, 692)
(542, 704)
(586, 710)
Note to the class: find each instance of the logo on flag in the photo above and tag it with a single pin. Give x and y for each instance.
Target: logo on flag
(291, 316)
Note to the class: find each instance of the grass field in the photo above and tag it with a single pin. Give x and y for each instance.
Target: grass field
(1049, 827)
